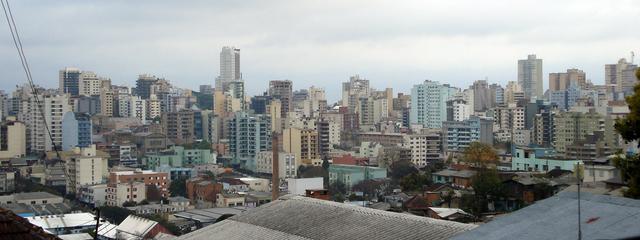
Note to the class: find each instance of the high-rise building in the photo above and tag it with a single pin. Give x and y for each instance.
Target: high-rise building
(144, 85)
(457, 136)
(530, 76)
(229, 67)
(249, 134)
(497, 92)
(303, 143)
(106, 102)
(69, 81)
(12, 139)
(575, 126)
(153, 107)
(133, 106)
(84, 166)
(425, 147)
(458, 110)
(483, 97)
(91, 85)
(54, 107)
(179, 126)
(353, 90)
(429, 103)
(282, 90)
(562, 81)
(621, 78)
(76, 130)
(513, 93)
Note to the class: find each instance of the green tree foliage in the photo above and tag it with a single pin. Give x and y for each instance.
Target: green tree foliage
(114, 215)
(311, 171)
(400, 169)
(337, 191)
(178, 187)
(415, 181)
(204, 101)
(480, 154)
(487, 187)
(629, 129)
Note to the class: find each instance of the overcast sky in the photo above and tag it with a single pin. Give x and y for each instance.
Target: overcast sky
(392, 43)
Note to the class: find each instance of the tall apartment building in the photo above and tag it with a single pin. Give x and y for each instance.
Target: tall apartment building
(84, 166)
(426, 148)
(76, 130)
(179, 126)
(621, 77)
(562, 81)
(132, 106)
(106, 102)
(513, 93)
(483, 96)
(457, 136)
(429, 103)
(69, 81)
(12, 139)
(144, 84)
(91, 85)
(282, 90)
(249, 134)
(229, 67)
(353, 90)
(54, 107)
(544, 130)
(576, 126)
(153, 107)
(303, 143)
(317, 102)
(458, 110)
(530, 76)
(287, 164)
(497, 93)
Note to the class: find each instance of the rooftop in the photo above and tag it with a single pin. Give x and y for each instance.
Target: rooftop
(70, 220)
(13, 226)
(34, 195)
(296, 217)
(455, 173)
(603, 217)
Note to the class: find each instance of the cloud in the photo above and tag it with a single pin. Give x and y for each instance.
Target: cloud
(392, 43)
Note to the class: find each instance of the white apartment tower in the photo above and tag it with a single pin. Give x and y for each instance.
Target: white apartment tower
(530, 76)
(229, 67)
(54, 107)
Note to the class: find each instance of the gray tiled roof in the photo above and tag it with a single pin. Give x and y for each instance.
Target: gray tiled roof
(602, 217)
(296, 217)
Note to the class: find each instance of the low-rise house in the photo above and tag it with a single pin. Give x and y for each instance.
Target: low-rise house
(458, 178)
(451, 214)
(134, 227)
(203, 192)
(229, 200)
(541, 160)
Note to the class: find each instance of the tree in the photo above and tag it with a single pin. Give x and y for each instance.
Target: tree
(337, 189)
(325, 166)
(415, 181)
(401, 169)
(311, 172)
(629, 129)
(480, 154)
(178, 187)
(130, 203)
(487, 187)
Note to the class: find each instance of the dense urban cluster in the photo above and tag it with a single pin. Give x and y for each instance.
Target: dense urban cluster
(159, 161)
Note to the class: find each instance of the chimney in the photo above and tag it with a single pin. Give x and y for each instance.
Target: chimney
(275, 167)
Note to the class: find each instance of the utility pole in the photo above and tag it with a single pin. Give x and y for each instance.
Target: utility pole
(97, 222)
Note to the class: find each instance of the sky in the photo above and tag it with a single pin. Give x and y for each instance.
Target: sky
(318, 43)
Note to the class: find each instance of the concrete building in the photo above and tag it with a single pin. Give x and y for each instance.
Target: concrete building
(54, 107)
(148, 177)
(561, 81)
(94, 195)
(90, 84)
(229, 67)
(541, 160)
(84, 166)
(458, 110)
(132, 106)
(457, 136)
(483, 96)
(576, 126)
(513, 93)
(69, 81)
(249, 134)
(621, 76)
(178, 156)
(287, 162)
(179, 126)
(351, 175)
(426, 148)
(283, 91)
(303, 143)
(31, 198)
(7, 182)
(429, 103)
(76, 130)
(530, 76)
(119, 193)
(106, 102)
(352, 91)
(12, 139)
(154, 108)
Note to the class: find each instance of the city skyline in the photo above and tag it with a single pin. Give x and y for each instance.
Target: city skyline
(320, 45)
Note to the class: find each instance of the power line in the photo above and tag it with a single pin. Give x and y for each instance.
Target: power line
(17, 42)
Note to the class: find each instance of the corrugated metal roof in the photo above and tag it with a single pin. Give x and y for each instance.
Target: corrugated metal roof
(296, 217)
(602, 217)
(135, 226)
(63, 221)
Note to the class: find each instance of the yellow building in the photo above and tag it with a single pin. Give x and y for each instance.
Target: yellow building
(13, 142)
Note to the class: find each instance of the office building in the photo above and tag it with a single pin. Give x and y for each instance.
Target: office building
(563, 80)
(229, 67)
(530, 76)
(621, 78)
(69, 81)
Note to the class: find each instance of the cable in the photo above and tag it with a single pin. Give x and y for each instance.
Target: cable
(25, 66)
